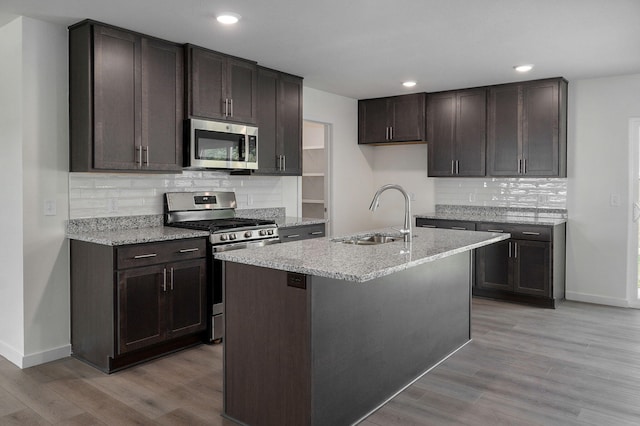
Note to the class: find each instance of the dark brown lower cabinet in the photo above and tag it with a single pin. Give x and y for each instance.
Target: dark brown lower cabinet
(136, 302)
(528, 268)
(517, 266)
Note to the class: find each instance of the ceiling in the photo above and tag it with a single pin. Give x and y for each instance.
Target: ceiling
(366, 48)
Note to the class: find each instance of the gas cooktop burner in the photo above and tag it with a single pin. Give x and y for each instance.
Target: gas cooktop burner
(215, 225)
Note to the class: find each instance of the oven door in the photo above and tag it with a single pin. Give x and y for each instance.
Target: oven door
(216, 324)
(222, 145)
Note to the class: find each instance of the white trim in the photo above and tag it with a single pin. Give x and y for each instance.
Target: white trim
(26, 361)
(598, 300)
(46, 356)
(11, 354)
(632, 231)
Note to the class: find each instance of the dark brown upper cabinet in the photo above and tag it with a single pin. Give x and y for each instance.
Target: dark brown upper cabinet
(456, 133)
(221, 87)
(125, 100)
(526, 129)
(396, 119)
(279, 123)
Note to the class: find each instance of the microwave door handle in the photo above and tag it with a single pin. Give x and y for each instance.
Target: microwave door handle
(242, 148)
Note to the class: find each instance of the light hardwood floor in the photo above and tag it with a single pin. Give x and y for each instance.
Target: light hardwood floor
(576, 365)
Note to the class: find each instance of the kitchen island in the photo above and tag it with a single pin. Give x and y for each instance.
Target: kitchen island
(323, 332)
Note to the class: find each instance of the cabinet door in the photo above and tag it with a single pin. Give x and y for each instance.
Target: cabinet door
(116, 91)
(372, 121)
(268, 84)
(290, 124)
(494, 268)
(207, 71)
(470, 132)
(162, 103)
(141, 307)
(503, 131)
(532, 267)
(540, 135)
(406, 117)
(441, 113)
(241, 92)
(186, 297)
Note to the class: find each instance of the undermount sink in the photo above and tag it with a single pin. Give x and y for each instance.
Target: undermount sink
(370, 240)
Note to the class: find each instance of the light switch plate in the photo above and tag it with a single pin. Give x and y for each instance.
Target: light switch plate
(614, 200)
(50, 208)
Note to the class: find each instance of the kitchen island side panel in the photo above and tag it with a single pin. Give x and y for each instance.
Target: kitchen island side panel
(369, 340)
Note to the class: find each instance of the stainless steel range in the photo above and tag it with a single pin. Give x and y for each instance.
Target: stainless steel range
(215, 212)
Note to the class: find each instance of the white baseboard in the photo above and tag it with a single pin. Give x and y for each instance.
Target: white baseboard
(31, 360)
(11, 354)
(599, 300)
(46, 356)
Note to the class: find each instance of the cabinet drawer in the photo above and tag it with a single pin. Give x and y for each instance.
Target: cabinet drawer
(303, 232)
(519, 232)
(154, 253)
(446, 224)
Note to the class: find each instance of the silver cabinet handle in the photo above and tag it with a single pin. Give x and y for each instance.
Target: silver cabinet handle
(524, 166)
(230, 107)
(316, 233)
(457, 167)
(386, 133)
(520, 166)
(293, 236)
(284, 163)
(495, 230)
(191, 250)
(171, 279)
(453, 172)
(515, 250)
(390, 132)
(530, 233)
(164, 279)
(458, 228)
(139, 151)
(145, 256)
(428, 226)
(226, 107)
(509, 248)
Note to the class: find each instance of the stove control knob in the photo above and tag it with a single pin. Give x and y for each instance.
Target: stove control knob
(232, 236)
(248, 234)
(223, 237)
(270, 232)
(262, 232)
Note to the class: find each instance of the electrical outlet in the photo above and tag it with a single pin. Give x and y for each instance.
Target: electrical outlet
(112, 205)
(50, 208)
(614, 200)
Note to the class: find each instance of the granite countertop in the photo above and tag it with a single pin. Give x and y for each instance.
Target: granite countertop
(290, 221)
(135, 236)
(505, 218)
(327, 258)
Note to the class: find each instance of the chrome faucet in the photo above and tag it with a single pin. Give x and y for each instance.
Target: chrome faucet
(406, 231)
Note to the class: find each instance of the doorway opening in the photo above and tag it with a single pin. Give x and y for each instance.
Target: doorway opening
(633, 294)
(315, 171)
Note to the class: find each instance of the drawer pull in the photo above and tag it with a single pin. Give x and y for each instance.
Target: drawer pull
(317, 233)
(530, 233)
(191, 250)
(495, 230)
(458, 228)
(428, 226)
(293, 236)
(145, 256)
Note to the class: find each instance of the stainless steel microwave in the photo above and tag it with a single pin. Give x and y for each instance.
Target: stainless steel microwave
(220, 145)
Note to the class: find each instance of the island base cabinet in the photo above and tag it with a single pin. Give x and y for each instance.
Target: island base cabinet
(309, 350)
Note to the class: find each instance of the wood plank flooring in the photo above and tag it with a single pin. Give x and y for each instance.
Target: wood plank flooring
(576, 365)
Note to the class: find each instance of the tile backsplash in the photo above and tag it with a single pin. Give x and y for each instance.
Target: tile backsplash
(107, 194)
(549, 193)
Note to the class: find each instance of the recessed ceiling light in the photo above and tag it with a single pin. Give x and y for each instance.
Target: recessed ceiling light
(523, 68)
(409, 83)
(228, 18)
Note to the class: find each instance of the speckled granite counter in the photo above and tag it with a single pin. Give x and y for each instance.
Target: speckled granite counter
(135, 236)
(513, 215)
(325, 257)
(290, 221)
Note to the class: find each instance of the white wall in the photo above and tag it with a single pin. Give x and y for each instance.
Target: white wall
(405, 165)
(11, 290)
(36, 324)
(599, 112)
(351, 165)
